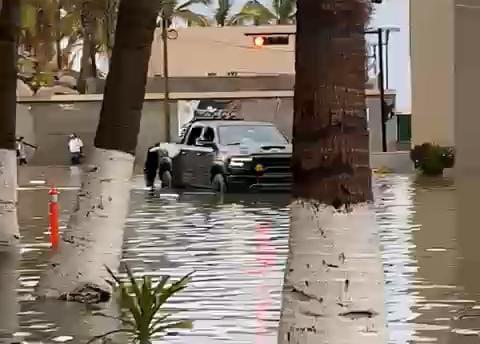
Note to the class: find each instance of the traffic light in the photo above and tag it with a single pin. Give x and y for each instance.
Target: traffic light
(260, 41)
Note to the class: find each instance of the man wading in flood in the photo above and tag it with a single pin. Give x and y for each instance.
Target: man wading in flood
(21, 154)
(75, 146)
(151, 165)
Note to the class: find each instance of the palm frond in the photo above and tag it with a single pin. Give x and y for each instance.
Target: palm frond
(187, 4)
(191, 17)
(222, 11)
(284, 10)
(257, 12)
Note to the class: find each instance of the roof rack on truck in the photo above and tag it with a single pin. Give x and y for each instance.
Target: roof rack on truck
(215, 116)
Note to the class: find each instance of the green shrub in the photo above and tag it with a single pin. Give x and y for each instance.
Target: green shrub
(143, 303)
(432, 159)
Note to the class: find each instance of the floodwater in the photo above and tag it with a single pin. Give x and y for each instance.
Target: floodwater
(237, 247)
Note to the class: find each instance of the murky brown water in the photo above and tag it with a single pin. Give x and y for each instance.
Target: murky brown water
(238, 246)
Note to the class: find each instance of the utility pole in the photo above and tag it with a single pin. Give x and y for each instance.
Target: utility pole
(166, 90)
(387, 70)
(381, 89)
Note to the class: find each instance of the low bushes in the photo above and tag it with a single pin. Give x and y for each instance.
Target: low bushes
(432, 159)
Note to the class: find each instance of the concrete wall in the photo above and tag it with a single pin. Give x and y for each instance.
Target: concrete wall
(467, 81)
(432, 66)
(223, 83)
(48, 124)
(445, 74)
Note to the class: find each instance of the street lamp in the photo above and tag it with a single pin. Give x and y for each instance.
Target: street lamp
(166, 35)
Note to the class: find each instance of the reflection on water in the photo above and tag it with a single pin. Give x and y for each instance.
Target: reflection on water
(238, 246)
(237, 250)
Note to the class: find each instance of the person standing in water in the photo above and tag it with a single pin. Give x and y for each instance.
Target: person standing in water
(151, 165)
(21, 153)
(75, 146)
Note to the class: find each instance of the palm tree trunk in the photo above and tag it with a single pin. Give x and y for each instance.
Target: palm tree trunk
(94, 235)
(333, 288)
(88, 68)
(9, 23)
(58, 36)
(43, 42)
(110, 21)
(9, 231)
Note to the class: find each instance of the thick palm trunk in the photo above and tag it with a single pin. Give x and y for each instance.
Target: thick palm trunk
(333, 288)
(9, 232)
(95, 232)
(9, 19)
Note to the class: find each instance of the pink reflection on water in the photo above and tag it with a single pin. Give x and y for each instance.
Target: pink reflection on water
(265, 256)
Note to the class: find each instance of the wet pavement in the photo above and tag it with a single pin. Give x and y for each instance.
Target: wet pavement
(237, 247)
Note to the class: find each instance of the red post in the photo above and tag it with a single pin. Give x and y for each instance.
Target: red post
(53, 215)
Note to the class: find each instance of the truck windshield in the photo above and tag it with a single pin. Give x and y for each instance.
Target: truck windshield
(260, 134)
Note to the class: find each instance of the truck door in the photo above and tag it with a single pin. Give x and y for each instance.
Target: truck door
(205, 155)
(188, 157)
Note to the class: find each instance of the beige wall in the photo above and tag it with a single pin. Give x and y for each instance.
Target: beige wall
(467, 82)
(432, 67)
(446, 75)
(201, 50)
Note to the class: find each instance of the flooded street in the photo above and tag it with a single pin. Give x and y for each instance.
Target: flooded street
(237, 247)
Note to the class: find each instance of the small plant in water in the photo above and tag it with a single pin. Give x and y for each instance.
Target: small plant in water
(143, 302)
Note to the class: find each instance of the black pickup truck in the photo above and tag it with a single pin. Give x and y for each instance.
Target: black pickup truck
(228, 155)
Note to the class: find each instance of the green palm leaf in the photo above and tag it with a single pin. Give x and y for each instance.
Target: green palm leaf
(143, 301)
(256, 11)
(191, 17)
(284, 10)
(222, 11)
(187, 4)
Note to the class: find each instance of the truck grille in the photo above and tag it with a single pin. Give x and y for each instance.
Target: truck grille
(273, 164)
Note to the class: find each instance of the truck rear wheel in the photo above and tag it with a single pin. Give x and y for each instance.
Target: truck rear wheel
(218, 183)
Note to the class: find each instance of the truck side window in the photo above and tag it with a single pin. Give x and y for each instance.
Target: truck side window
(194, 135)
(209, 134)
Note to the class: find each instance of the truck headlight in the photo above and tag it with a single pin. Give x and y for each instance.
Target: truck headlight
(239, 162)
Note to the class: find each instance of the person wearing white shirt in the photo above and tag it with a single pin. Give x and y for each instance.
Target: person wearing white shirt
(75, 146)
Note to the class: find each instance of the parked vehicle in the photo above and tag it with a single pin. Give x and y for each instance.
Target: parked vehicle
(229, 155)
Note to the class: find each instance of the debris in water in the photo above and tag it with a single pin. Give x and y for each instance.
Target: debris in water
(62, 339)
(38, 182)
